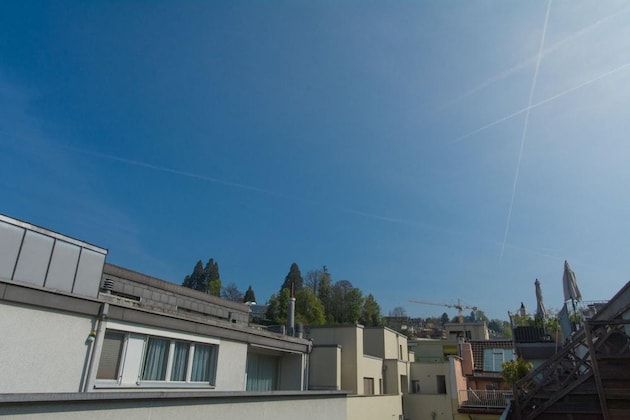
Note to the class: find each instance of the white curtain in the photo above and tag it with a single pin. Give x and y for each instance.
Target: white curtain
(262, 372)
(155, 360)
(204, 364)
(180, 361)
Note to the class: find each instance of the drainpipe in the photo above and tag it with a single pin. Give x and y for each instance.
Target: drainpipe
(97, 345)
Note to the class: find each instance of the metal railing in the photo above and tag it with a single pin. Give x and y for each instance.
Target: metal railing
(481, 398)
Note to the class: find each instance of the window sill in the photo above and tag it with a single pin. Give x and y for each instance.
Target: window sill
(152, 385)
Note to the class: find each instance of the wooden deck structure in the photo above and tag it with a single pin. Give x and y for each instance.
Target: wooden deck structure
(589, 379)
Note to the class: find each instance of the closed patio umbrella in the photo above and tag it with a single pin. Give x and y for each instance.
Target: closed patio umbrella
(569, 284)
(541, 312)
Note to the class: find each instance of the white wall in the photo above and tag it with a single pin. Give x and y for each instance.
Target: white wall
(376, 407)
(371, 367)
(350, 338)
(263, 408)
(325, 368)
(291, 372)
(41, 350)
(422, 406)
(427, 373)
(231, 366)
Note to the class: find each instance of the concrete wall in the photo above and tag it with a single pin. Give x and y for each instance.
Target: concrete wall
(373, 342)
(426, 374)
(350, 338)
(231, 366)
(376, 407)
(422, 406)
(393, 343)
(41, 350)
(385, 343)
(391, 377)
(167, 406)
(371, 367)
(457, 379)
(325, 368)
(291, 372)
(169, 297)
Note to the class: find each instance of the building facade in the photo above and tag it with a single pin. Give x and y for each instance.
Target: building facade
(78, 329)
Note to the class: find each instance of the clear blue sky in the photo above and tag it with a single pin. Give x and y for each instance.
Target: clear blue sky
(428, 150)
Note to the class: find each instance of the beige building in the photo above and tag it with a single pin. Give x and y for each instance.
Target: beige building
(371, 364)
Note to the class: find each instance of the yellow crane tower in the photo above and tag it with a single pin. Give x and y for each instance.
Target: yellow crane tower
(457, 306)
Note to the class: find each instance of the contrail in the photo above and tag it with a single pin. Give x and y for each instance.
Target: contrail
(180, 173)
(529, 104)
(505, 73)
(146, 165)
(543, 102)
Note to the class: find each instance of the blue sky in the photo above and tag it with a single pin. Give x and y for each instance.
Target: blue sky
(427, 150)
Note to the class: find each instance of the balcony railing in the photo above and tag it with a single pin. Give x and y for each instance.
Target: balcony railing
(481, 398)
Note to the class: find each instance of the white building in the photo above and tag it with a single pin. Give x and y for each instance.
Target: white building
(97, 336)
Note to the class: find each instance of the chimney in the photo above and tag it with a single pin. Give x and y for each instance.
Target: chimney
(291, 313)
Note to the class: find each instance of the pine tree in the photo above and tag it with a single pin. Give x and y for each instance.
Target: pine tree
(196, 280)
(277, 307)
(249, 295)
(293, 278)
(212, 277)
(371, 312)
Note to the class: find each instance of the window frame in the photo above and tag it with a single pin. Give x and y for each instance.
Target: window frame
(142, 335)
(121, 357)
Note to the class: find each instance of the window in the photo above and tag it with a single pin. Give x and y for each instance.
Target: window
(493, 359)
(404, 384)
(415, 386)
(262, 372)
(368, 386)
(180, 361)
(109, 365)
(155, 360)
(441, 384)
(127, 356)
(204, 364)
(170, 358)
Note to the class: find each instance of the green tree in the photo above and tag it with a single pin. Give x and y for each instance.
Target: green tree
(277, 307)
(308, 308)
(347, 302)
(272, 308)
(514, 370)
(196, 280)
(444, 319)
(231, 292)
(313, 278)
(212, 277)
(294, 277)
(249, 295)
(371, 312)
(324, 293)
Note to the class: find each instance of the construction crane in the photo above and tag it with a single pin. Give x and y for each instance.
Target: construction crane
(457, 306)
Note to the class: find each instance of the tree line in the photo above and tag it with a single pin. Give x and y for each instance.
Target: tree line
(208, 280)
(319, 299)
